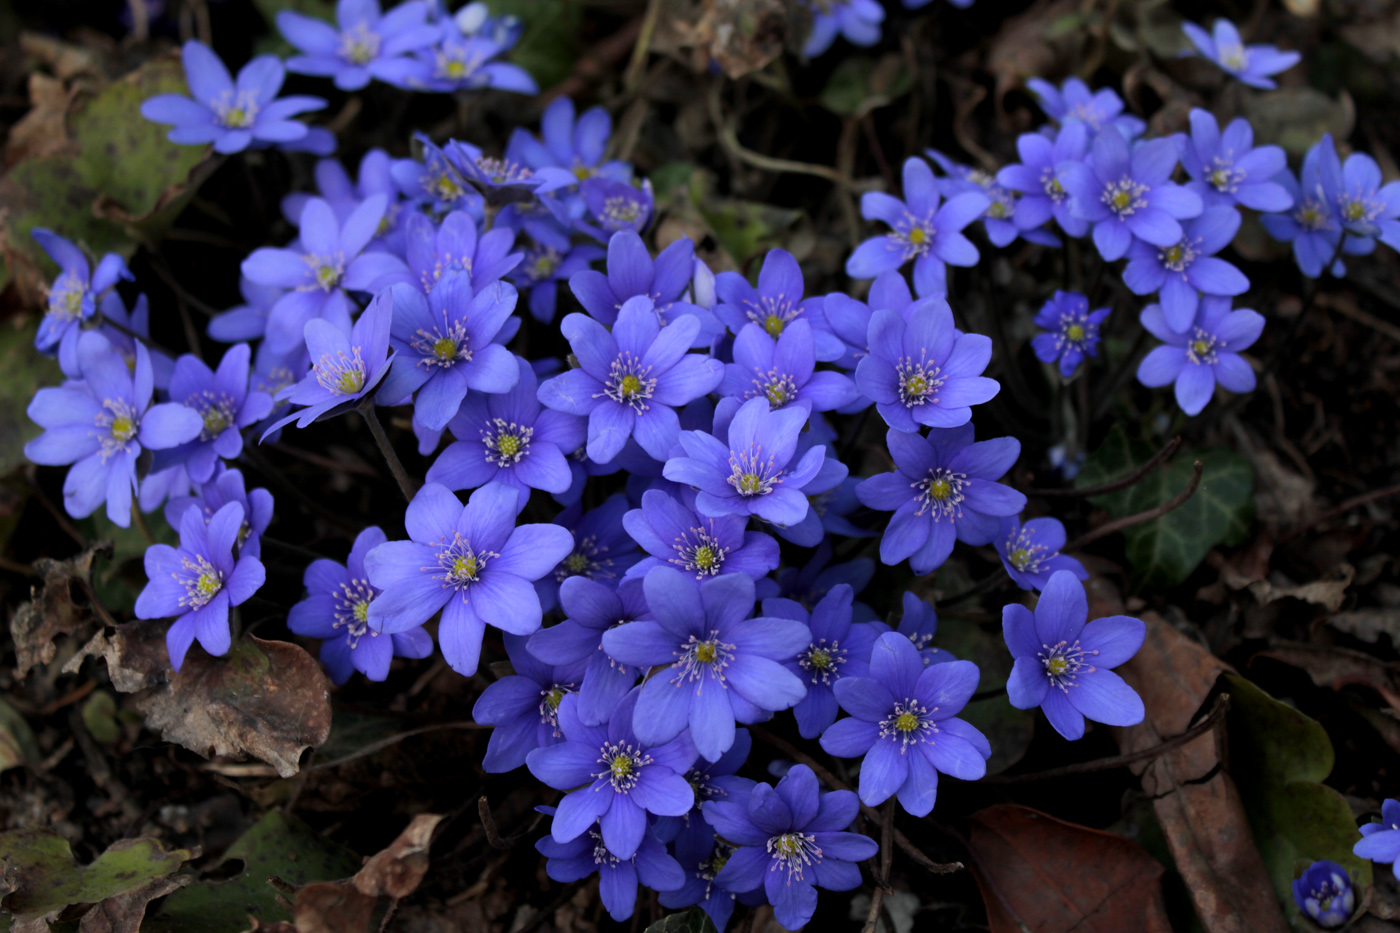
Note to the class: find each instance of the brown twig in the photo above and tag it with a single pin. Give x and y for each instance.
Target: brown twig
(1345, 507)
(488, 824)
(882, 880)
(1217, 712)
(730, 141)
(1114, 527)
(382, 744)
(1131, 479)
(406, 485)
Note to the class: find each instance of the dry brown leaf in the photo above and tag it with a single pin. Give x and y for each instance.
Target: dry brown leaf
(743, 36)
(1021, 49)
(1329, 593)
(1341, 667)
(399, 869)
(1368, 625)
(330, 907)
(43, 131)
(1202, 818)
(51, 611)
(124, 913)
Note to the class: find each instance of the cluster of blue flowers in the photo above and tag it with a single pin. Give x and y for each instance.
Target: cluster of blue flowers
(673, 625)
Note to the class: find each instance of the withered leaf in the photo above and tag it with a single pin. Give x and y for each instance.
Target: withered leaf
(51, 612)
(1341, 667)
(1064, 877)
(43, 876)
(743, 36)
(399, 869)
(329, 907)
(124, 913)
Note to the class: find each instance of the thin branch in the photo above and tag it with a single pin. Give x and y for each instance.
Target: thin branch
(882, 881)
(382, 744)
(1131, 479)
(1114, 527)
(1345, 507)
(406, 485)
(1221, 707)
(636, 67)
(488, 823)
(986, 585)
(730, 141)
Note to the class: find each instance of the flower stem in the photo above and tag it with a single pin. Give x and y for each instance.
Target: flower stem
(406, 485)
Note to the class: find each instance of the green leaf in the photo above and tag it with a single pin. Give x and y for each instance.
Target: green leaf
(17, 745)
(744, 229)
(1164, 551)
(277, 845)
(1278, 759)
(693, 920)
(549, 45)
(25, 371)
(46, 877)
(860, 85)
(1007, 728)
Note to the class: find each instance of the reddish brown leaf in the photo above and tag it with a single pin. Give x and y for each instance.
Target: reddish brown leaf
(331, 907)
(399, 869)
(1341, 667)
(1058, 876)
(51, 612)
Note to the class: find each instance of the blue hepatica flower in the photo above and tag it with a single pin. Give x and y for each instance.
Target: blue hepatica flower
(1188, 269)
(73, 295)
(944, 488)
(856, 20)
(754, 473)
(506, 438)
(461, 62)
(1000, 217)
(1324, 893)
(224, 403)
(1310, 224)
(232, 115)
(1127, 194)
(924, 371)
(629, 381)
(100, 424)
(920, 625)
(838, 649)
(447, 343)
(1064, 666)
(226, 487)
(590, 609)
(434, 181)
(1071, 331)
(790, 839)
(783, 370)
(602, 550)
(631, 271)
(711, 780)
(1380, 842)
(524, 707)
(775, 303)
(336, 610)
(326, 260)
(702, 855)
(1225, 167)
(1073, 102)
(1206, 354)
(347, 365)
(615, 206)
(471, 561)
(720, 666)
(572, 861)
(1357, 195)
(577, 145)
(1030, 552)
(1036, 178)
(544, 267)
(365, 43)
(247, 321)
(624, 777)
(904, 721)
(198, 582)
(1253, 64)
(676, 535)
(433, 250)
(920, 230)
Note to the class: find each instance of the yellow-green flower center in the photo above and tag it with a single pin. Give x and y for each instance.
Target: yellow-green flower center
(445, 348)
(508, 445)
(1200, 347)
(1173, 254)
(940, 489)
(622, 766)
(819, 659)
(787, 844)
(1056, 665)
(704, 557)
(773, 324)
(465, 567)
(748, 484)
(577, 562)
(554, 697)
(123, 428)
(999, 210)
(1220, 178)
(360, 611)
(1122, 200)
(215, 421)
(906, 722)
(327, 276)
(918, 236)
(706, 653)
(208, 584)
(1355, 210)
(629, 385)
(456, 69)
(777, 394)
(1075, 332)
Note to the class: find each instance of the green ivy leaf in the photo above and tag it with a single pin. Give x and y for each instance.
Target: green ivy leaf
(45, 876)
(1279, 758)
(26, 370)
(693, 920)
(860, 84)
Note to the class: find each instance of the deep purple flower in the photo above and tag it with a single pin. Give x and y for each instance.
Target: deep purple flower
(227, 486)
(1226, 168)
(1072, 331)
(1063, 665)
(326, 261)
(198, 582)
(544, 267)
(336, 610)
(1030, 552)
(903, 720)
(631, 271)
(1358, 196)
(602, 550)
(590, 609)
(615, 206)
(920, 230)
(791, 838)
(247, 321)
(345, 368)
(124, 330)
(435, 250)
(446, 343)
(629, 381)
(783, 370)
(1252, 64)
(100, 424)
(576, 145)
(920, 625)
(720, 666)
(458, 62)
(679, 536)
(701, 855)
(472, 562)
(1324, 893)
(813, 580)
(1188, 269)
(365, 43)
(433, 180)
(1310, 225)
(711, 780)
(923, 371)
(1073, 102)
(506, 438)
(617, 878)
(857, 20)
(944, 488)
(849, 319)
(754, 472)
(837, 649)
(1380, 842)
(776, 302)
(1127, 194)
(232, 115)
(524, 707)
(224, 404)
(999, 219)
(1207, 353)
(1037, 178)
(625, 776)
(73, 295)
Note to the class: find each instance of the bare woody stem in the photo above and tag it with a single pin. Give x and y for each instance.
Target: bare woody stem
(406, 485)
(1131, 479)
(1114, 527)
